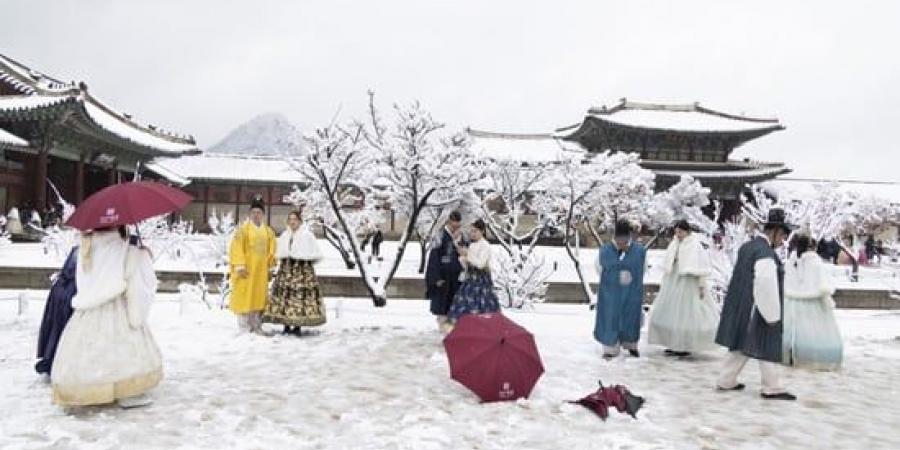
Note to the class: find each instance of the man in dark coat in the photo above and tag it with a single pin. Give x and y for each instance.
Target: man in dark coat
(751, 325)
(442, 274)
(57, 312)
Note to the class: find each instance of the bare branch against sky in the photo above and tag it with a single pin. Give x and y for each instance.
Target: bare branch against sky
(828, 69)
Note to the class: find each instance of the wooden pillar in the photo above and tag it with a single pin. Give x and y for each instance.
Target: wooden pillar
(270, 205)
(40, 179)
(204, 191)
(111, 177)
(79, 180)
(237, 206)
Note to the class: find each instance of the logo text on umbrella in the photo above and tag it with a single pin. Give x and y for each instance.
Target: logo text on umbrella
(109, 217)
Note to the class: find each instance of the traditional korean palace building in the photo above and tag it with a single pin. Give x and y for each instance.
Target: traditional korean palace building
(672, 140)
(56, 130)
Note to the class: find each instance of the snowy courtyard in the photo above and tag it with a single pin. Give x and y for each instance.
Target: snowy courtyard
(378, 379)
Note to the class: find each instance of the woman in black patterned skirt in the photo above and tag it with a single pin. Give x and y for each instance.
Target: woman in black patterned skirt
(296, 299)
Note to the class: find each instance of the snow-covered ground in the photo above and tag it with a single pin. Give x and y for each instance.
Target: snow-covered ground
(886, 277)
(378, 379)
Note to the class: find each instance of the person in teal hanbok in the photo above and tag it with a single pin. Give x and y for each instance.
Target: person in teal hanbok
(621, 294)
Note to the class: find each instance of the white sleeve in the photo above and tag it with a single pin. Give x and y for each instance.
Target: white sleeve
(141, 287)
(765, 290)
(598, 266)
(479, 256)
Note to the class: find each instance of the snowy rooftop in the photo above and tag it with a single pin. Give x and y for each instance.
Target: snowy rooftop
(732, 169)
(37, 90)
(226, 167)
(7, 138)
(687, 117)
(806, 186)
(522, 147)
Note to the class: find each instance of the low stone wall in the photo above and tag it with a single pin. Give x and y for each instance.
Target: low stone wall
(410, 288)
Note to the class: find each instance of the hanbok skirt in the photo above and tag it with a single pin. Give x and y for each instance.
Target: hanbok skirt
(475, 296)
(296, 299)
(812, 339)
(680, 320)
(101, 358)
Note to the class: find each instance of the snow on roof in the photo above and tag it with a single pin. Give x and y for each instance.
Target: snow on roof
(689, 117)
(803, 187)
(24, 102)
(27, 80)
(226, 167)
(762, 171)
(8, 138)
(126, 129)
(521, 147)
(41, 90)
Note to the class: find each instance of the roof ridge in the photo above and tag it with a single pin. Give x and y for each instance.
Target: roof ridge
(625, 105)
(126, 119)
(494, 134)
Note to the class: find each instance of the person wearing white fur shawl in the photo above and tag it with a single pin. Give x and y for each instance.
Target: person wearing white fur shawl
(684, 318)
(106, 352)
(812, 338)
(296, 298)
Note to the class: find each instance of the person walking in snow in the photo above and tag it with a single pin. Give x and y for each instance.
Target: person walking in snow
(751, 325)
(444, 268)
(106, 353)
(618, 318)
(684, 319)
(296, 299)
(251, 256)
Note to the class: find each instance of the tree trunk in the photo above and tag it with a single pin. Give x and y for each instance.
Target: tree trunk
(410, 228)
(378, 296)
(585, 287)
(335, 242)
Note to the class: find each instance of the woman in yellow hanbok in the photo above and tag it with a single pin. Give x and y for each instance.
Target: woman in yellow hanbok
(251, 257)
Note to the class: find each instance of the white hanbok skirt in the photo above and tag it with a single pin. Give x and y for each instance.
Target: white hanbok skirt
(101, 358)
(679, 319)
(812, 338)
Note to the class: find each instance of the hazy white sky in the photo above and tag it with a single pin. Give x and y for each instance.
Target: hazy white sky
(829, 70)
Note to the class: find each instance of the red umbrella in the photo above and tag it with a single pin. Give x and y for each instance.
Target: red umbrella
(127, 203)
(494, 357)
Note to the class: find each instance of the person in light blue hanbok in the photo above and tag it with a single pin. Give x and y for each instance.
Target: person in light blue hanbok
(621, 294)
(811, 336)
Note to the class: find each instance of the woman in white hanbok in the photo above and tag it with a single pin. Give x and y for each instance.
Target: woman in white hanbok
(684, 318)
(107, 353)
(811, 338)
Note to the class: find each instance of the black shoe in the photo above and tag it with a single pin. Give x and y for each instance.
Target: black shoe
(737, 387)
(782, 396)
(609, 356)
(634, 353)
(287, 330)
(297, 332)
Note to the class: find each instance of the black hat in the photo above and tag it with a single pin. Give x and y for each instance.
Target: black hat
(777, 220)
(257, 202)
(623, 229)
(683, 225)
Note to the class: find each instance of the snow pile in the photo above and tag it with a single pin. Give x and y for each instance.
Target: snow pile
(379, 379)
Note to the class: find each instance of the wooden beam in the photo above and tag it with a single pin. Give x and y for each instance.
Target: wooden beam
(79, 180)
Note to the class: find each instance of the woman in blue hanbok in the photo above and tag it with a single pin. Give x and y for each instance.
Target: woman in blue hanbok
(56, 313)
(476, 293)
(811, 335)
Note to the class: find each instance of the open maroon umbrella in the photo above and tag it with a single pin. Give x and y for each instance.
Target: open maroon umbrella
(494, 357)
(127, 203)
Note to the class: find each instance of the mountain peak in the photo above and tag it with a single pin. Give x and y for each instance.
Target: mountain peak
(266, 134)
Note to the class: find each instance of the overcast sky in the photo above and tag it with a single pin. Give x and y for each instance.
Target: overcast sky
(829, 70)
